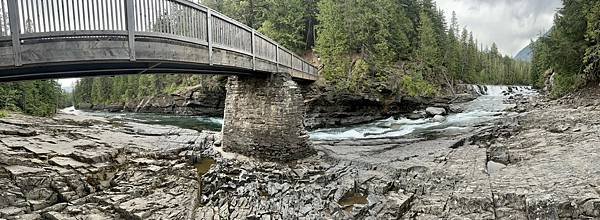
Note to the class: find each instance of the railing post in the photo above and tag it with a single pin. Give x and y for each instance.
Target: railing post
(253, 50)
(15, 30)
(277, 56)
(209, 37)
(130, 19)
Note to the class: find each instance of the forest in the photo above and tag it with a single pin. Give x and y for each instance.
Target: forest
(39, 98)
(380, 47)
(569, 55)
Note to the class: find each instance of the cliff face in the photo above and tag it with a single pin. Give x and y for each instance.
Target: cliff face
(326, 109)
(190, 101)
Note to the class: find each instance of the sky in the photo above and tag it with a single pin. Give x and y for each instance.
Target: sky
(67, 84)
(510, 23)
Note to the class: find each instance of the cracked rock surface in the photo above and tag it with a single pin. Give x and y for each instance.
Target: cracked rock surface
(539, 163)
(74, 167)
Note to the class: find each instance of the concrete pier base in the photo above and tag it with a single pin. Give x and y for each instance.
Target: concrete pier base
(264, 118)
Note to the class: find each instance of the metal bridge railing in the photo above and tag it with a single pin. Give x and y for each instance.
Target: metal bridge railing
(179, 20)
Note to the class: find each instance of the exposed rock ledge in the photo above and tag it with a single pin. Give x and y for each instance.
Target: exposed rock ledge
(323, 108)
(329, 109)
(539, 164)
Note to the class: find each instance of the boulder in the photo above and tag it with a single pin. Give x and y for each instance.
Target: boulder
(455, 109)
(416, 115)
(433, 111)
(439, 118)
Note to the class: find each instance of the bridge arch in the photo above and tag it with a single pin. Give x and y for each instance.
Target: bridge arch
(45, 39)
(42, 39)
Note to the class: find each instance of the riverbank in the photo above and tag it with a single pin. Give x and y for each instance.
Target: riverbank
(91, 167)
(535, 162)
(324, 108)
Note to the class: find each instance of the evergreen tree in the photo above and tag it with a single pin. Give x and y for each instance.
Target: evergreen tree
(592, 53)
(333, 44)
(428, 51)
(494, 50)
(285, 23)
(570, 49)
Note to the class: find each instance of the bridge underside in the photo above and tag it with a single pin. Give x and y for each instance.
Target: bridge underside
(82, 57)
(117, 67)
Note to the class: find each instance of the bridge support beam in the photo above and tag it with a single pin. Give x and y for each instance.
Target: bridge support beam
(264, 118)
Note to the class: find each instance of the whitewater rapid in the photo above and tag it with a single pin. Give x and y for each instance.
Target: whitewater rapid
(488, 106)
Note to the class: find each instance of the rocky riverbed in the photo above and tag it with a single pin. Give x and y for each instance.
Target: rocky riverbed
(537, 162)
(324, 108)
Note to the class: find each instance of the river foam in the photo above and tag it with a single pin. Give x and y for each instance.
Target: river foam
(489, 106)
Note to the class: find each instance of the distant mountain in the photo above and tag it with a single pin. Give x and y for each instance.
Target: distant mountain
(526, 54)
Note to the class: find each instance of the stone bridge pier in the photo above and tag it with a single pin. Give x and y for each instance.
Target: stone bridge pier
(264, 118)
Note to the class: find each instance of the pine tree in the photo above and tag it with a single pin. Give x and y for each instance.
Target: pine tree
(494, 50)
(428, 46)
(285, 23)
(592, 53)
(98, 91)
(333, 43)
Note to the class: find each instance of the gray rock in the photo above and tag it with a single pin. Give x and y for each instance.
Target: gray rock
(433, 111)
(416, 115)
(542, 207)
(12, 211)
(455, 108)
(439, 118)
(493, 167)
(67, 162)
(18, 170)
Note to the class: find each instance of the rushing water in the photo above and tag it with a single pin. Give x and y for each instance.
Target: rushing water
(189, 122)
(490, 105)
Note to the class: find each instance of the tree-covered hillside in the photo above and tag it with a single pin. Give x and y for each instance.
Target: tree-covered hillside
(572, 49)
(405, 46)
(394, 47)
(121, 89)
(39, 98)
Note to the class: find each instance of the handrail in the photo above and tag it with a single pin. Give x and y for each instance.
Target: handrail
(180, 20)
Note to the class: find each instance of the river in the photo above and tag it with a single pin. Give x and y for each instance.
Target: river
(487, 107)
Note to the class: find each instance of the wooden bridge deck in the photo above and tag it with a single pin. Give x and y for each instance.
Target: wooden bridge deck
(43, 39)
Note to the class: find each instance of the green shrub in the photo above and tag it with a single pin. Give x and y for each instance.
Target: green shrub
(564, 84)
(3, 114)
(417, 86)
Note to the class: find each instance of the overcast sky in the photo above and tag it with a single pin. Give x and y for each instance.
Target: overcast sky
(509, 23)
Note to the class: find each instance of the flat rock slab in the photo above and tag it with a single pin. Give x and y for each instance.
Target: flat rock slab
(15, 142)
(20, 170)
(36, 149)
(399, 153)
(67, 162)
(8, 129)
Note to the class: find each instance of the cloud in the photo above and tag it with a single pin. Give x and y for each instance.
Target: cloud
(510, 23)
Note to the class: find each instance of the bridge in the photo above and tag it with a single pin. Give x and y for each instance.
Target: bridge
(49, 39)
